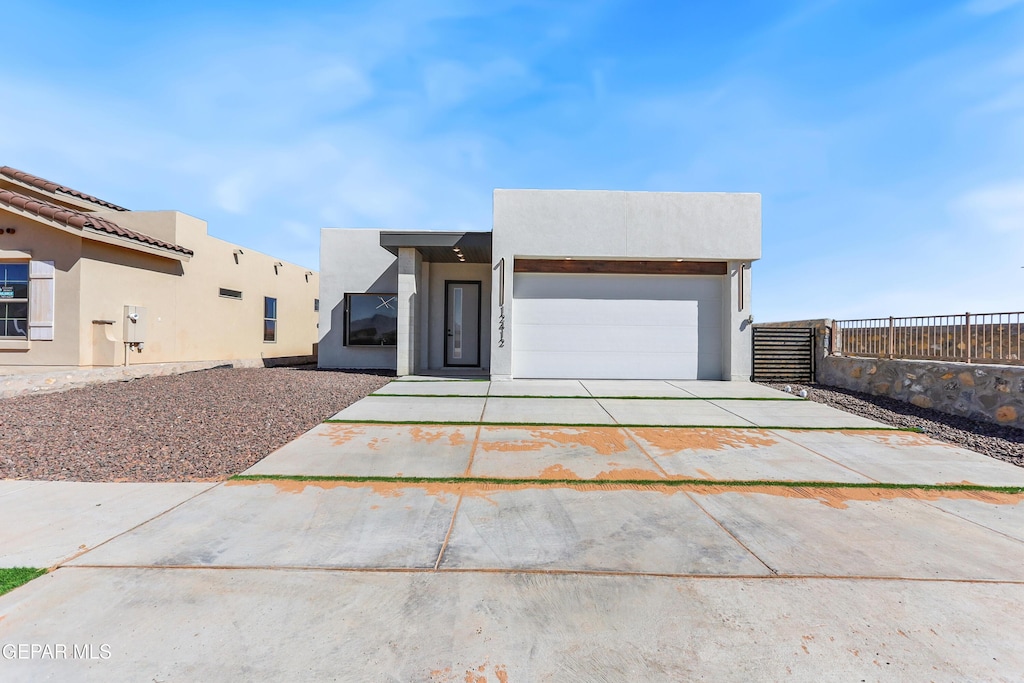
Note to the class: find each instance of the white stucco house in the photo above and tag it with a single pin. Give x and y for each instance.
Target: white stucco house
(567, 284)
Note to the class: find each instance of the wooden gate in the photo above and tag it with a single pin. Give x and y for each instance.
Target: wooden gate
(783, 354)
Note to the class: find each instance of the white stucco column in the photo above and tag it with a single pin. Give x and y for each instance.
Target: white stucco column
(409, 264)
(737, 333)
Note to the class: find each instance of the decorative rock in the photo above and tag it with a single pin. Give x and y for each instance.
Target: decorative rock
(1006, 414)
(921, 401)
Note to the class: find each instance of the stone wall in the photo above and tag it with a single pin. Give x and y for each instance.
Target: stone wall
(994, 393)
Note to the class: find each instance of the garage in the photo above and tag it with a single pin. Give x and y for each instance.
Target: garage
(616, 325)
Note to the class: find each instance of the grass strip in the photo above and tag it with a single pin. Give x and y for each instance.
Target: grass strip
(735, 483)
(628, 398)
(469, 423)
(12, 577)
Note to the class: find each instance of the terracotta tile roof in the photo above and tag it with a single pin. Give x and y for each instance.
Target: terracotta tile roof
(50, 186)
(77, 219)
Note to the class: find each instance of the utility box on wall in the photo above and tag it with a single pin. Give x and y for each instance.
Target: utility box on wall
(134, 324)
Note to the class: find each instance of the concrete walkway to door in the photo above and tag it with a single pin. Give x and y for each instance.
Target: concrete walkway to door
(522, 531)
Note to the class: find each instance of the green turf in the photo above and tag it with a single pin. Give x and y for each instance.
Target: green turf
(738, 483)
(616, 425)
(628, 398)
(12, 577)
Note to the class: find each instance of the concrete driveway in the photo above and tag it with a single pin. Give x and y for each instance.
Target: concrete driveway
(520, 531)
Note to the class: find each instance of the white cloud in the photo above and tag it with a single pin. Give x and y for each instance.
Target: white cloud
(989, 6)
(449, 83)
(997, 208)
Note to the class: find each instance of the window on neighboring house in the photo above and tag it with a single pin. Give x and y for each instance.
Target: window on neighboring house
(269, 319)
(316, 304)
(371, 319)
(14, 300)
(230, 293)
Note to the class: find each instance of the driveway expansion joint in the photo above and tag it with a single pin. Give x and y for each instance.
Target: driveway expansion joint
(548, 572)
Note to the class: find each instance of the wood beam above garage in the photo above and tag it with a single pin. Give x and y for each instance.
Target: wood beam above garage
(620, 267)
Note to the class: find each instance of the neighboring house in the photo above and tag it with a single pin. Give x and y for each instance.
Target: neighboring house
(568, 284)
(84, 282)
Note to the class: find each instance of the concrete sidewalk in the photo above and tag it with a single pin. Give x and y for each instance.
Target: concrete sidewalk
(49, 522)
(490, 552)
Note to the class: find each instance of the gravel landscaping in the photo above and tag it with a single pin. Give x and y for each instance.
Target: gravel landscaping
(997, 441)
(209, 425)
(198, 426)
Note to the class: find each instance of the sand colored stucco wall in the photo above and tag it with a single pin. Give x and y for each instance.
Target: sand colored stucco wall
(186, 319)
(47, 244)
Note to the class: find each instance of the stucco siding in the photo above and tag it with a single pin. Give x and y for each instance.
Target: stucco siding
(186, 319)
(352, 261)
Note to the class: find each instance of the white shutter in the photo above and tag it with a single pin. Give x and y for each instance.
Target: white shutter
(41, 300)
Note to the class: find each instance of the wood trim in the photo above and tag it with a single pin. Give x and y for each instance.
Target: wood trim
(620, 267)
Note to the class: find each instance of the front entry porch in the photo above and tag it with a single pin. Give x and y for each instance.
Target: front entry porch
(444, 303)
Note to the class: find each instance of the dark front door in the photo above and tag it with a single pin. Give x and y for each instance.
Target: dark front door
(462, 323)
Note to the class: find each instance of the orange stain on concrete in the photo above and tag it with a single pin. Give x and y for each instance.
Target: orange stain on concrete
(602, 440)
(427, 434)
(558, 471)
(517, 446)
(340, 434)
(704, 474)
(899, 438)
(832, 497)
(628, 473)
(688, 439)
(839, 497)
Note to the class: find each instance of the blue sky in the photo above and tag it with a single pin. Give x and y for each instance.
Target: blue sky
(886, 138)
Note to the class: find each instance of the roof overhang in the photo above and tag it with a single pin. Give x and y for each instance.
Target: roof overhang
(99, 236)
(441, 247)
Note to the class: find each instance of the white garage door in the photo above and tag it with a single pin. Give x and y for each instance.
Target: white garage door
(616, 326)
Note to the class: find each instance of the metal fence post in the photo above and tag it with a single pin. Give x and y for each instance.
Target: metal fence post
(892, 337)
(967, 335)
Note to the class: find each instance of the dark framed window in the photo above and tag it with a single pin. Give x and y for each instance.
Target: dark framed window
(371, 319)
(14, 300)
(230, 293)
(316, 304)
(269, 319)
